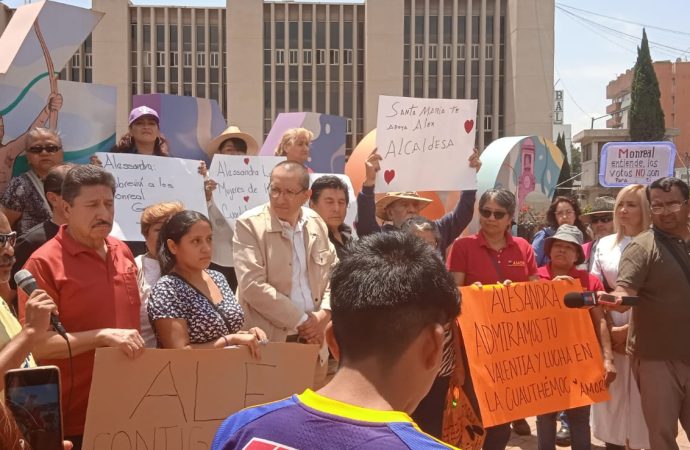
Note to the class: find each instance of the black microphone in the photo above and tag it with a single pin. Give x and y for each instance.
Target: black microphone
(589, 299)
(27, 283)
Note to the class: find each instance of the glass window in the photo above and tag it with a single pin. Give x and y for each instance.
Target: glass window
(200, 38)
(335, 35)
(213, 59)
(280, 34)
(201, 59)
(348, 56)
(306, 97)
(279, 56)
(335, 56)
(347, 35)
(321, 97)
(147, 36)
(294, 96)
(213, 38)
(320, 34)
(306, 34)
(306, 57)
(335, 101)
(320, 57)
(200, 90)
(462, 29)
(433, 28)
(433, 51)
(160, 37)
(187, 37)
(293, 30)
(173, 38)
(293, 56)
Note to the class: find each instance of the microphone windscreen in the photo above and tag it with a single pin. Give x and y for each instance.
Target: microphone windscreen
(22, 277)
(574, 300)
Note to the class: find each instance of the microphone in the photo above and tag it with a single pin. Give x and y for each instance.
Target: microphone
(27, 283)
(589, 299)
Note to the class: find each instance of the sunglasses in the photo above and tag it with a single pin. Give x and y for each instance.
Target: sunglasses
(37, 149)
(604, 219)
(498, 215)
(8, 239)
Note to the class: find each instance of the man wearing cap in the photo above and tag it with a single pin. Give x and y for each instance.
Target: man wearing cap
(395, 208)
(600, 219)
(564, 249)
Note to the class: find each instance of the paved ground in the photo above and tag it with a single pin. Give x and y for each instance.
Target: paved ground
(530, 442)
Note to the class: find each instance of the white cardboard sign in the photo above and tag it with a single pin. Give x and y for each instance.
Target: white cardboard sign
(425, 144)
(351, 214)
(142, 180)
(624, 163)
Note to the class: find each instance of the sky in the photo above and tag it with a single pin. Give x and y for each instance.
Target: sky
(589, 49)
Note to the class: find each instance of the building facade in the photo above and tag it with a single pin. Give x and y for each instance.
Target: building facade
(258, 58)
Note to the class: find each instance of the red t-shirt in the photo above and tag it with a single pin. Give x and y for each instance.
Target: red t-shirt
(588, 281)
(90, 293)
(472, 256)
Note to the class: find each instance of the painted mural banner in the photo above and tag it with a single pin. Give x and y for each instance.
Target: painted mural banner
(37, 42)
(624, 163)
(142, 180)
(528, 354)
(425, 144)
(177, 399)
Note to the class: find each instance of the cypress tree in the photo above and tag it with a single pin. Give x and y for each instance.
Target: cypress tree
(564, 187)
(646, 118)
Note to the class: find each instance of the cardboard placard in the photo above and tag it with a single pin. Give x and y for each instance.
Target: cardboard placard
(142, 180)
(177, 399)
(242, 183)
(624, 163)
(425, 144)
(351, 214)
(529, 354)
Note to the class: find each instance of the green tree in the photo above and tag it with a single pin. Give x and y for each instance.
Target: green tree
(575, 160)
(646, 118)
(564, 183)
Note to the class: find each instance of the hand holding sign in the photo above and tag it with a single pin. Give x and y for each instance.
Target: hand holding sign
(425, 144)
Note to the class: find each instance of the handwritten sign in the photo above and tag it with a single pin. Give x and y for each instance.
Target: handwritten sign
(177, 399)
(242, 183)
(425, 144)
(351, 214)
(529, 354)
(624, 163)
(142, 180)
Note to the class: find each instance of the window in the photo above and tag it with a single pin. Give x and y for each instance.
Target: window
(306, 56)
(461, 51)
(160, 59)
(188, 59)
(348, 56)
(173, 59)
(447, 51)
(147, 59)
(293, 56)
(475, 51)
(335, 56)
(213, 58)
(489, 51)
(433, 51)
(76, 60)
(349, 126)
(419, 52)
(88, 61)
(280, 57)
(320, 57)
(488, 123)
(201, 59)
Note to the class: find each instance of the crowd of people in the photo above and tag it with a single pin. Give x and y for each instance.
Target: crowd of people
(379, 301)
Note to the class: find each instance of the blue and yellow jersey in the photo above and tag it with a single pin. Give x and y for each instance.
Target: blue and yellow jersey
(311, 421)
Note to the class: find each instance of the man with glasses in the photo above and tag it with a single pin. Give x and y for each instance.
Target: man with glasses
(600, 220)
(283, 260)
(24, 203)
(656, 267)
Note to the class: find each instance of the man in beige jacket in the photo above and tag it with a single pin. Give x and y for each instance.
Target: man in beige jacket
(283, 260)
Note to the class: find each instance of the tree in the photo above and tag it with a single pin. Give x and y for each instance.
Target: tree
(575, 161)
(646, 118)
(564, 183)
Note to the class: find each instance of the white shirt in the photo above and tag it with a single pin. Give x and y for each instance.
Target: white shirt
(300, 292)
(149, 271)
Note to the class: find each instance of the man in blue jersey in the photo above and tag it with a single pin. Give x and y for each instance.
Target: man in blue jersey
(391, 297)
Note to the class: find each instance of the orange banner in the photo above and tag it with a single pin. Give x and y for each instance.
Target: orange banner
(529, 354)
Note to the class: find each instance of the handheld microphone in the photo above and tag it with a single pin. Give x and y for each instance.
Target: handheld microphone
(27, 283)
(589, 299)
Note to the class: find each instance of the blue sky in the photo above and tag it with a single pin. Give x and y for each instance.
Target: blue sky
(589, 49)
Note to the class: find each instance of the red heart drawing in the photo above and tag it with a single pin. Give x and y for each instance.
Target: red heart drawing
(246, 198)
(388, 176)
(469, 124)
(246, 160)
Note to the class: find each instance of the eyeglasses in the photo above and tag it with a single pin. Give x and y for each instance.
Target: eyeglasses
(602, 219)
(37, 149)
(569, 212)
(8, 239)
(671, 207)
(498, 215)
(275, 192)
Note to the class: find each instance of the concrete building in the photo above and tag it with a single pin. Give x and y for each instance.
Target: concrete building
(674, 85)
(259, 58)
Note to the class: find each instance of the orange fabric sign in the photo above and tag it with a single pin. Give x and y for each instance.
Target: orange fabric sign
(529, 354)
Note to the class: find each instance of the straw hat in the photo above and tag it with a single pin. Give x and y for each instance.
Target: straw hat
(232, 132)
(570, 234)
(602, 205)
(390, 197)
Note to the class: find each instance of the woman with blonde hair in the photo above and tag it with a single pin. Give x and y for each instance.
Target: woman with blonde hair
(294, 145)
(619, 422)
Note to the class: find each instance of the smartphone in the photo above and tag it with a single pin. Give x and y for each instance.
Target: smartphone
(33, 396)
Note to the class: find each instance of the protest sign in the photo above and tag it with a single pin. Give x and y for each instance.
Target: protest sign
(177, 399)
(351, 214)
(529, 354)
(143, 180)
(624, 163)
(242, 183)
(425, 144)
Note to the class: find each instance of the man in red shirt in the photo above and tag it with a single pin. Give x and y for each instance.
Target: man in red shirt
(93, 280)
